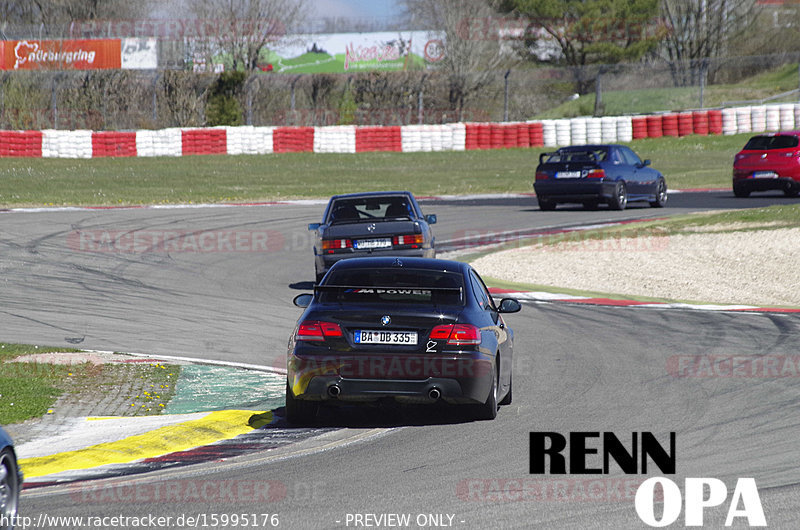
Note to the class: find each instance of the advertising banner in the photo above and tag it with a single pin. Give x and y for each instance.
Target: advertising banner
(88, 54)
(139, 54)
(354, 52)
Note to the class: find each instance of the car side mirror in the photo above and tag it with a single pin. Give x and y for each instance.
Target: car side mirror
(509, 305)
(303, 300)
(431, 219)
(313, 226)
(646, 162)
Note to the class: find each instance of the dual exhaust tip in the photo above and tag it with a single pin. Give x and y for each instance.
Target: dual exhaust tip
(335, 390)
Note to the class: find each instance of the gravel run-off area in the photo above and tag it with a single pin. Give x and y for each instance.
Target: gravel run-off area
(753, 267)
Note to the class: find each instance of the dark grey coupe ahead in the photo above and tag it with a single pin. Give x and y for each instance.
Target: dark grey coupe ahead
(378, 223)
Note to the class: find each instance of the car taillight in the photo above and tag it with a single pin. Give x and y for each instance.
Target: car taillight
(457, 334)
(333, 244)
(595, 174)
(318, 330)
(441, 332)
(541, 175)
(413, 239)
(465, 334)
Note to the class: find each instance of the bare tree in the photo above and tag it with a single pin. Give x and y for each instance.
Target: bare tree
(183, 95)
(246, 27)
(53, 17)
(16, 12)
(470, 62)
(701, 30)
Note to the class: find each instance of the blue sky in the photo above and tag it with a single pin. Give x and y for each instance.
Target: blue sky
(355, 8)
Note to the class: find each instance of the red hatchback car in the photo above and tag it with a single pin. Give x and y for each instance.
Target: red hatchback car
(768, 162)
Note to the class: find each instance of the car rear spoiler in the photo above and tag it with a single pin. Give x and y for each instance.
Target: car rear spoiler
(588, 153)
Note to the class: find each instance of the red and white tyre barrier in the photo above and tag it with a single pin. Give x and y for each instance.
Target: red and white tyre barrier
(251, 140)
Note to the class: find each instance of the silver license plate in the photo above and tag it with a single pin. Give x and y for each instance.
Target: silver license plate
(366, 336)
(362, 244)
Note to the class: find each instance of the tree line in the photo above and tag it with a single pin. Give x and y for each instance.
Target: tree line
(586, 38)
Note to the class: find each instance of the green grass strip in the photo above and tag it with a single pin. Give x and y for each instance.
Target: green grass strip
(688, 162)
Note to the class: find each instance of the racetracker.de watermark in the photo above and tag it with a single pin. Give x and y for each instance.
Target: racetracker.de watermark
(40, 118)
(166, 241)
(568, 241)
(735, 366)
(182, 491)
(177, 28)
(604, 29)
(501, 490)
(393, 366)
(380, 116)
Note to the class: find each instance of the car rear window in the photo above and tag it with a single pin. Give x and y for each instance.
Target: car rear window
(384, 285)
(765, 143)
(587, 155)
(370, 208)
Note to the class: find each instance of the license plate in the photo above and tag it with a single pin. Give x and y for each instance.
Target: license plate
(373, 243)
(764, 175)
(364, 336)
(568, 174)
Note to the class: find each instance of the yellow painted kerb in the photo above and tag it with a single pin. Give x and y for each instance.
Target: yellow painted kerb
(215, 426)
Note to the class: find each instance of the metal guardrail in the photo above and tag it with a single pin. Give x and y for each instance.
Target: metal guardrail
(762, 100)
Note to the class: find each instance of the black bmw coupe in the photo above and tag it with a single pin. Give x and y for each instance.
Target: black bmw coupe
(411, 330)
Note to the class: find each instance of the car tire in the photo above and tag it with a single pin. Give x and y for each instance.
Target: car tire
(741, 192)
(661, 195)
(299, 412)
(488, 410)
(791, 191)
(9, 487)
(546, 205)
(507, 399)
(619, 200)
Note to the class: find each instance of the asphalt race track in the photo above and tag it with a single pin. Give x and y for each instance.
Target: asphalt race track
(576, 368)
(232, 302)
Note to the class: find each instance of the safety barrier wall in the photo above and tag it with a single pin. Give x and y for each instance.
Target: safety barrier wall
(249, 140)
(66, 144)
(335, 139)
(293, 139)
(408, 138)
(204, 142)
(428, 138)
(113, 144)
(21, 143)
(162, 142)
(379, 139)
(503, 135)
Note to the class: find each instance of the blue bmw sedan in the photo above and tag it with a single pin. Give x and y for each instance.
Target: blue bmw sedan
(593, 174)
